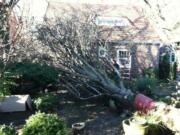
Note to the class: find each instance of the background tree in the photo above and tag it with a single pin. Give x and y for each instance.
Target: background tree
(6, 40)
(164, 15)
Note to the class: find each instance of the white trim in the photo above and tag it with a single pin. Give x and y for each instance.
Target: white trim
(136, 42)
(104, 50)
(127, 58)
(102, 2)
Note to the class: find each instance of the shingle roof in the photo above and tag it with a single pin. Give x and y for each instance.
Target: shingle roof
(139, 29)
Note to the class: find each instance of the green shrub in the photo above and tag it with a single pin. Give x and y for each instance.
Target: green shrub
(32, 78)
(7, 130)
(167, 69)
(41, 74)
(44, 124)
(166, 100)
(146, 85)
(150, 72)
(46, 102)
(5, 85)
(130, 84)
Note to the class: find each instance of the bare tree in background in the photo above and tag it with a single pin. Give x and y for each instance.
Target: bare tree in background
(164, 15)
(8, 36)
(75, 43)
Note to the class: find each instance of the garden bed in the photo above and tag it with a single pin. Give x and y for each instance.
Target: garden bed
(99, 118)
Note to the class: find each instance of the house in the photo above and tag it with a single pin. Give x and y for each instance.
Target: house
(131, 35)
(134, 42)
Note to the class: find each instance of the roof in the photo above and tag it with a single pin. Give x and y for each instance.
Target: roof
(102, 2)
(163, 15)
(138, 29)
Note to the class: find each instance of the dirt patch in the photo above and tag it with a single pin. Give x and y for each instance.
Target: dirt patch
(99, 119)
(15, 118)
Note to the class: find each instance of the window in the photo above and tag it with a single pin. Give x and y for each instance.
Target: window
(124, 58)
(172, 57)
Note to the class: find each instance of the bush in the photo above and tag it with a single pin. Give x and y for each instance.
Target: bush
(32, 77)
(44, 124)
(146, 85)
(46, 102)
(150, 72)
(5, 85)
(7, 130)
(166, 100)
(130, 84)
(41, 74)
(167, 69)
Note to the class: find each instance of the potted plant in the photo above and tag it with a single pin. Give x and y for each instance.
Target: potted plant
(143, 124)
(134, 126)
(78, 128)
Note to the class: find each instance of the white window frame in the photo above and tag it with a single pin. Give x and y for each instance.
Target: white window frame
(126, 57)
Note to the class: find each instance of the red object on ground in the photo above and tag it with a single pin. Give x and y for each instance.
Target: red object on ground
(143, 103)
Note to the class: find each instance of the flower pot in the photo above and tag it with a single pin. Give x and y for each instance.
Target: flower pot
(143, 103)
(131, 127)
(78, 128)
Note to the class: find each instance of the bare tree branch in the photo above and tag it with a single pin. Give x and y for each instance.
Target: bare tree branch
(75, 42)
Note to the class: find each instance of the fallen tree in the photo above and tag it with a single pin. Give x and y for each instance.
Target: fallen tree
(74, 43)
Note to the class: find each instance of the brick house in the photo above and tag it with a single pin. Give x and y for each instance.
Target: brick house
(133, 42)
(130, 31)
